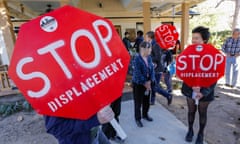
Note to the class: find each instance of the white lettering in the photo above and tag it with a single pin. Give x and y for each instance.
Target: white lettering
(193, 60)
(63, 99)
(90, 83)
(210, 64)
(58, 102)
(76, 92)
(29, 76)
(180, 60)
(69, 94)
(108, 70)
(96, 48)
(96, 79)
(217, 62)
(105, 40)
(120, 62)
(52, 49)
(102, 75)
(52, 106)
(84, 87)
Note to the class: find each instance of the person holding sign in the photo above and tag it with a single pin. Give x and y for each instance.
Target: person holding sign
(157, 55)
(198, 98)
(231, 48)
(107, 128)
(74, 131)
(143, 76)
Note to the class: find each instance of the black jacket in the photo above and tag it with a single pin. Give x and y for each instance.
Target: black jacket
(156, 57)
(208, 92)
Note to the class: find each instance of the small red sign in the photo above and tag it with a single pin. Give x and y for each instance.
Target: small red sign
(166, 36)
(200, 65)
(69, 63)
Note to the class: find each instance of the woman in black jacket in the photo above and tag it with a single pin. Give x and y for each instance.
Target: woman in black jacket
(200, 35)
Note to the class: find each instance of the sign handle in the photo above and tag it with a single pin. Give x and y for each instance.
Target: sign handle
(118, 129)
(194, 94)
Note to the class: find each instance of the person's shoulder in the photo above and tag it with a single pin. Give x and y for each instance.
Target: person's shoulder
(51, 121)
(229, 38)
(156, 46)
(149, 58)
(137, 56)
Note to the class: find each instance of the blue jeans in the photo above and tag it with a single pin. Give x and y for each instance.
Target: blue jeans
(168, 81)
(157, 88)
(232, 62)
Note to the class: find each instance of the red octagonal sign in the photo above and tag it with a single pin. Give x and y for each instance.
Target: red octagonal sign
(166, 36)
(200, 65)
(69, 63)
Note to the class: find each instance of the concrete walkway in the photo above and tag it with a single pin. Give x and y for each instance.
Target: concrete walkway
(165, 129)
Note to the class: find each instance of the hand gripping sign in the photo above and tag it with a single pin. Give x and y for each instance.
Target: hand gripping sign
(200, 65)
(69, 63)
(166, 36)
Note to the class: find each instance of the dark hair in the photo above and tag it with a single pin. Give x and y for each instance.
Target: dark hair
(126, 33)
(204, 32)
(150, 34)
(140, 33)
(236, 30)
(145, 44)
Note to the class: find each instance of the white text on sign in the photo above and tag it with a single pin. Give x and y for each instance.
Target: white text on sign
(214, 61)
(166, 35)
(51, 49)
(84, 86)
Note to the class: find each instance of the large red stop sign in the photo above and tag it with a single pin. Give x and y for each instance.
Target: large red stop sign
(200, 65)
(69, 63)
(166, 36)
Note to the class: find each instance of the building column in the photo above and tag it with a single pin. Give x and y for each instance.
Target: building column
(184, 25)
(7, 33)
(146, 16)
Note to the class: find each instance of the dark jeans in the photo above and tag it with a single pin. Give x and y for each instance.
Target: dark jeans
(157, 88)
(141, 101)
(168, 81)
(108, 130)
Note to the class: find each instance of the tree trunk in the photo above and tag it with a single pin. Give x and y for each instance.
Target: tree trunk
(236, 14)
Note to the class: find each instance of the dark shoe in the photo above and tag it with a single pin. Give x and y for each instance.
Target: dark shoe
(139, 123)
(117, 139)
(199, 139)
(148, 118)
(189, 136)
(227, 85)
(169, 91)
(169, 99)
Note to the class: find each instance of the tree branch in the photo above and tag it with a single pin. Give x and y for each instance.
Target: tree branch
(219, 3)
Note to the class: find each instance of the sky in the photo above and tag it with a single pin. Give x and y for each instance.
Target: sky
(224, 12)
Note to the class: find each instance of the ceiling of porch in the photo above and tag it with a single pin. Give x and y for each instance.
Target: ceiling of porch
(28, 9)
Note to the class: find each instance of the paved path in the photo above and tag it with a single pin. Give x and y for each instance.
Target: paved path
(165, 129)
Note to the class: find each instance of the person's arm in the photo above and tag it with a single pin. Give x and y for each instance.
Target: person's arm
(156, 54)
(136, 44)
(153, 80)
(224, 46)
(63, 126)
